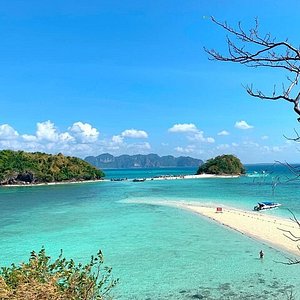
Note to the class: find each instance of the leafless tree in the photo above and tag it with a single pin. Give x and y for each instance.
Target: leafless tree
(290, 235)
(252, 49)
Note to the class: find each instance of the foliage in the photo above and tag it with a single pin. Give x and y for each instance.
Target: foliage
(222, 165)
(41, 279)
(41, 167)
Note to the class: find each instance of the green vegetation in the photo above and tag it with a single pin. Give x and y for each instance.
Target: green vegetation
(222, 165)
(20, 166)
(41, 279)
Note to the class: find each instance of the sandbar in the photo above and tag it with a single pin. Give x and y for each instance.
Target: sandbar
(198, 176)
(274, 231)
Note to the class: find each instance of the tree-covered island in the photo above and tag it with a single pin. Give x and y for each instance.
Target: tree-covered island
(222, 165)
(19, 167)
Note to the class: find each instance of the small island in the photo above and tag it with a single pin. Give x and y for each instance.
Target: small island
(23, 168)
(222, 165)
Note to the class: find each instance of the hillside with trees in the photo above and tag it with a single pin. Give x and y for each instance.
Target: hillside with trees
(222, 165)
(19, 167)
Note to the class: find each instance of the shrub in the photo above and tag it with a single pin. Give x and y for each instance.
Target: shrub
(41, 279)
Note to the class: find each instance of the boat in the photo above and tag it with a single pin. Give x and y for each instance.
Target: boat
(266, 205)
(118, 179)
(139, 179)
(257, 174)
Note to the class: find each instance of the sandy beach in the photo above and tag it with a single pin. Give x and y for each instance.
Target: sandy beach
(268, 229)
(257, 225)
(200, 176)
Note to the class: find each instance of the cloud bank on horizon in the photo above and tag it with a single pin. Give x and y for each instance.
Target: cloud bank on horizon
(82, 139)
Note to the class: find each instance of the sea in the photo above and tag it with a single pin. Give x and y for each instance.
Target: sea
(157, 251)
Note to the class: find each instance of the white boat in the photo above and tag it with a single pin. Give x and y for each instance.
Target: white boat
(266, 205)
(258, 175)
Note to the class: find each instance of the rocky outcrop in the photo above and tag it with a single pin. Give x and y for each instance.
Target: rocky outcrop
(27, 177)
(20, 178)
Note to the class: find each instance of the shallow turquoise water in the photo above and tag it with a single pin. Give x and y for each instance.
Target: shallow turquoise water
(157, 252)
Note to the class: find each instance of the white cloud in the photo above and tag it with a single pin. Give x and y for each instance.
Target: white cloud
(199, 137)
(29, 138)
(46, 131)
(84, 132)
(289, 142)
(117, 139)
(139, 147)
(66, 137)
(192, 133)
(210, 140)
(264, 137)
(277, 149)
(188, 149)
(223, 132)
(223, 147)
(82, 139)
(183, 128)
(7, 132)
(250, 144)
(47, 138)
(242, 125)
(133, 133)
(118, 144)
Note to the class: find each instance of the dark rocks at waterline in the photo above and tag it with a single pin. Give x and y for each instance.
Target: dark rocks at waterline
(20, 178)
(27, 177)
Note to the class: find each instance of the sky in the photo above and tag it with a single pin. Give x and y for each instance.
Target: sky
(125, 77)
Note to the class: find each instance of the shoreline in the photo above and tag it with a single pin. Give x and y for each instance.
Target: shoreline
(200, 176)
(174, 177)
(163, 177)
(255, 225)
(51, 183)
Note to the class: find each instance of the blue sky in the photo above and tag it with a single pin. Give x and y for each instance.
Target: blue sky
(88, 77)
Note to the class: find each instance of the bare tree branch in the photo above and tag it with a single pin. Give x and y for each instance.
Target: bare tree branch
(264, 51)
(291, 236)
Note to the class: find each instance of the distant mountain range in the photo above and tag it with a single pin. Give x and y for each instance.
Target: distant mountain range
(107, 161)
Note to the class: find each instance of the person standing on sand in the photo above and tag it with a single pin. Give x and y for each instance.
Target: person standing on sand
(261, 254)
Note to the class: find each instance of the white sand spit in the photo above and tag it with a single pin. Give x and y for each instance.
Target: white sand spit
(257, 225)
(253, 224)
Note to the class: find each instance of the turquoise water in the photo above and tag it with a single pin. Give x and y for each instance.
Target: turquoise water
(157, 252)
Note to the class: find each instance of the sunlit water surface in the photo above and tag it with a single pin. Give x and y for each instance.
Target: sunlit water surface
(157, 252)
